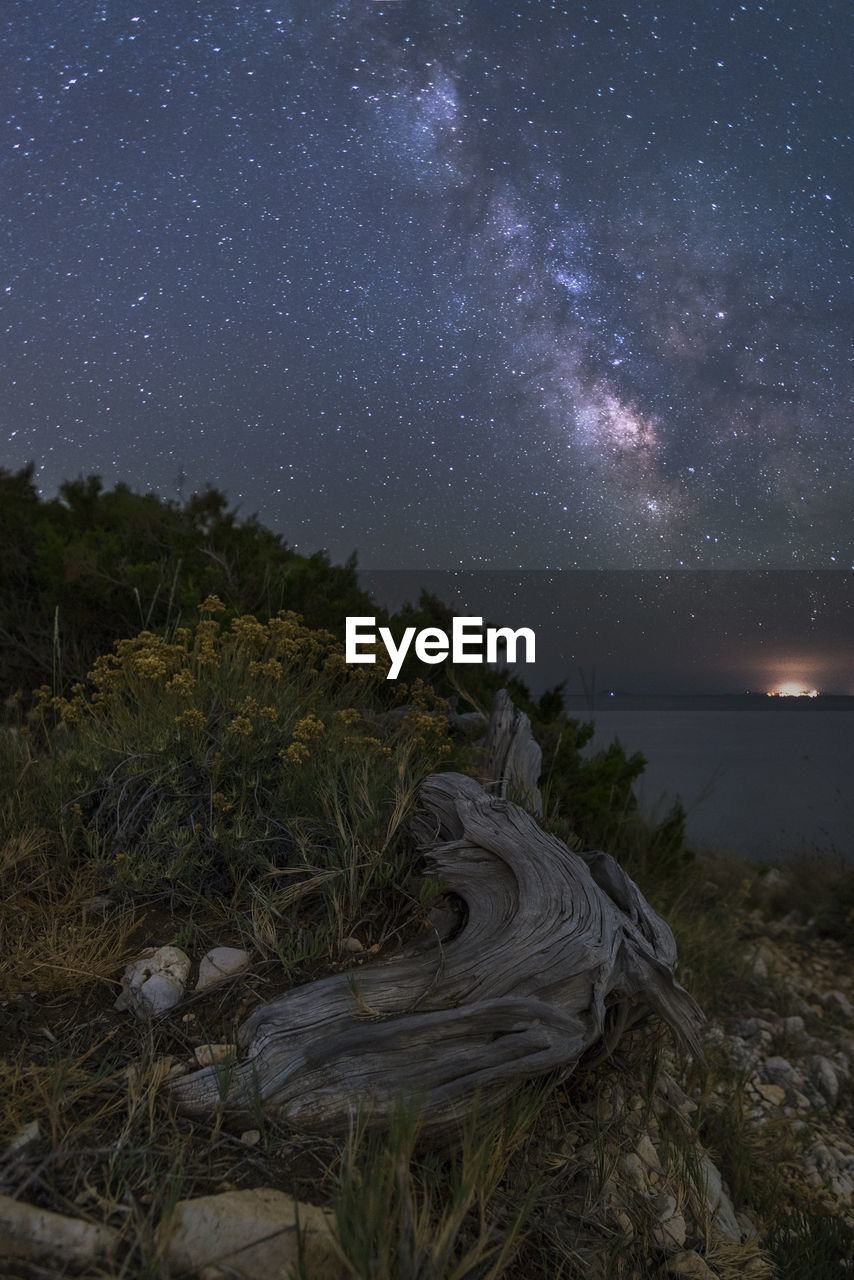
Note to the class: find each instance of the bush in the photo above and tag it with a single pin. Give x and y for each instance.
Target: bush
(92, 566)
(235, 752)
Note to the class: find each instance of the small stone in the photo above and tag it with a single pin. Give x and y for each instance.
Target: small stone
(647, 1152)
(670, 1230)
(825, 1079)
(352, 945)
(215, 1055)
(825, 1159)
(718, 1204)
(689, 1263)
(625, 1223)
(251, 1137)
(749, 1229)
(154, 983)
(634, 1171)
(255, 1234)
(837, 1004)
(221, 963)
(772, 1093)
(842, 1066)
(780, 1071)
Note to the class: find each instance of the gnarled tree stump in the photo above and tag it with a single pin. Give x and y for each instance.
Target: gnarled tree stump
(513, 755)
(559, 950)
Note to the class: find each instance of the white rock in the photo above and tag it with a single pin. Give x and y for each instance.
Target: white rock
(670, 1230)
(749, 1229)
(647, 1152)
(209, 1055)
(838, 1004)
(634, 1171)
(825, 1079)
(253, 1235)
(842, 1067)
(221, 963)
(774, 1094)
(154, 982)
(29, 1232)
(722, 1217)
(689, 1263)
(780, 1071)
(825, 1158)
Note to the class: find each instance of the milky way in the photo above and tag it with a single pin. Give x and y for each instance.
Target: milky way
(528, 285)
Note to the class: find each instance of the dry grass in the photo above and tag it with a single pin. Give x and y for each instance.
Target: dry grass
(536, 1191)
(55, 936)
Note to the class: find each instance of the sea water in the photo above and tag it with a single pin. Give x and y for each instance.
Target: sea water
(763, 778)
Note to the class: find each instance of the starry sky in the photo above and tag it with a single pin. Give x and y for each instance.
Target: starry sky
(494, 285)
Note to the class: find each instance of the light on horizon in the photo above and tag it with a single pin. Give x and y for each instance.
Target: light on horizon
(792, 690)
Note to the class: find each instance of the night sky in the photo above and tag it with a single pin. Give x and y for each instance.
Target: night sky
(495, 285)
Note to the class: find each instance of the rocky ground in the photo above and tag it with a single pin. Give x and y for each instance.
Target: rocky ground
(647, 1165)
(777, 1090)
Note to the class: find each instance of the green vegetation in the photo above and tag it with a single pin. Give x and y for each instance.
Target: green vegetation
(200, 766)
(92, 566)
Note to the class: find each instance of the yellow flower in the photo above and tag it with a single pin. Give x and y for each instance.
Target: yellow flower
(192, 717)
(149, 665)
(212, 604)
(43, 698)
(272, 669)
(240, 725)
(348, 715)
(208, 659)
(181, 682)
(307, 729)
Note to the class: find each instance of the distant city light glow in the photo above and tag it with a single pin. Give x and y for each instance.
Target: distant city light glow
(792, 690)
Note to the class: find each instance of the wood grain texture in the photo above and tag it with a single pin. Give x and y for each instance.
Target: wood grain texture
(558, 951)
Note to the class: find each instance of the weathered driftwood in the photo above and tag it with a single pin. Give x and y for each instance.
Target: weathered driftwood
(558, 951)
(513, 756)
